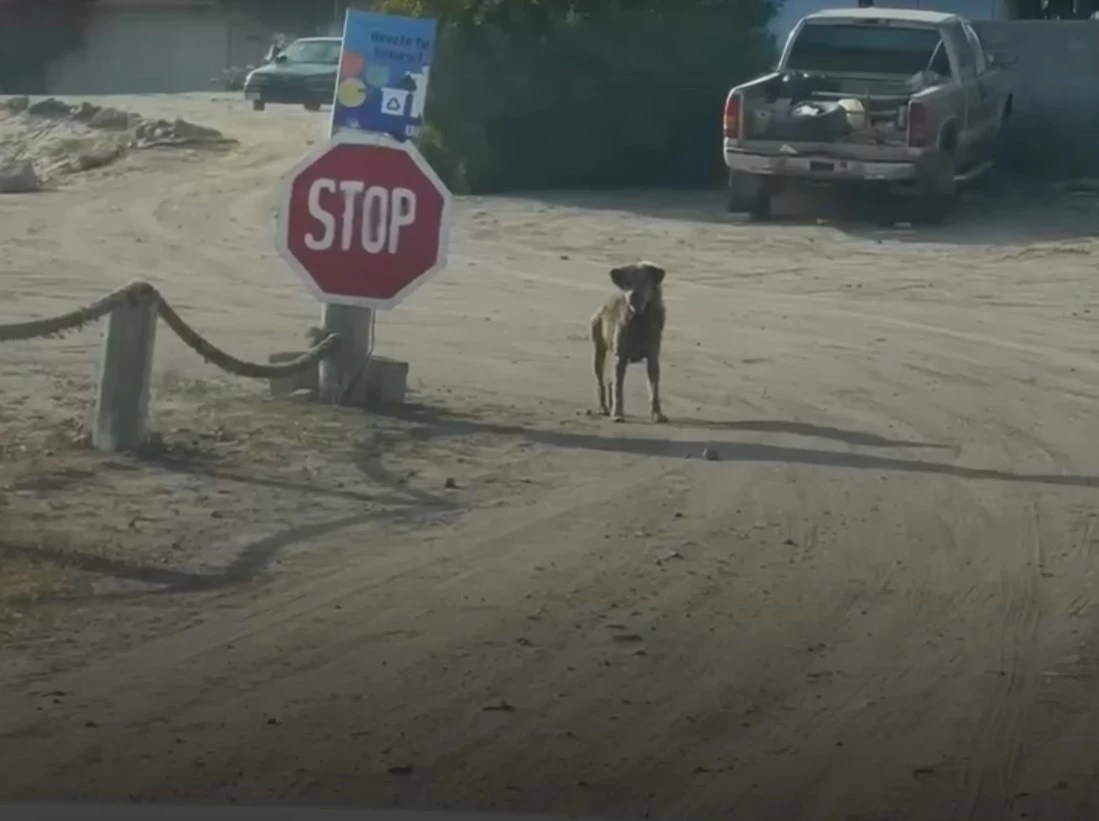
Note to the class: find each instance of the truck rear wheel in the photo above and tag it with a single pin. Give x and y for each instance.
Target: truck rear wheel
(761, 206)
(937, 196)
(750, 194)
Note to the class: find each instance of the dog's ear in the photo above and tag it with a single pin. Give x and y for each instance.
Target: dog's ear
(656, 274)
(621, 276)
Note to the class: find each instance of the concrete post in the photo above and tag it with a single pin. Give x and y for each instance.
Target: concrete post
(342, 374)
(121, 420)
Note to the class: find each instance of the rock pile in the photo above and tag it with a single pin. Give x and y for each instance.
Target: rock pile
(109, 119)
(82, 137)
(145, 132)
(177, 132)
(19, 178)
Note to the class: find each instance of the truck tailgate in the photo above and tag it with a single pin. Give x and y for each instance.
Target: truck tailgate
(834, 150)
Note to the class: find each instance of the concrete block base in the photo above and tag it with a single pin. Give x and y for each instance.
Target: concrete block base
(289, 385)
(385, 381)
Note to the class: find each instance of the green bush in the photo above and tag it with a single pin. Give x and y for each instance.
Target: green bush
(529, 94)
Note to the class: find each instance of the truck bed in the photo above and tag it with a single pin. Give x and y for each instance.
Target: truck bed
(862, 111)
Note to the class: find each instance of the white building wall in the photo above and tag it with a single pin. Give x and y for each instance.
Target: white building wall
(140, 49)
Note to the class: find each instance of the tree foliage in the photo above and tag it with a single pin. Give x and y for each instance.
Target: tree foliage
(555, 93)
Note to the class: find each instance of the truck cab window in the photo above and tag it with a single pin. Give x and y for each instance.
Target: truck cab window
(954, 34)
(859, 48)
(940, 62)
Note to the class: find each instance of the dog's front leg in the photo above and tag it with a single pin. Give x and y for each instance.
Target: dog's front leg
(618, 409)
(652, 367)
(599, 361)
(600, 387)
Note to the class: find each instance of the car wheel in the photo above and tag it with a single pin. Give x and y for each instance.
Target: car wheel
(312, 106)
(938, 194)
(258, 105)
(761, 205)
(747, 193)
(992, 183)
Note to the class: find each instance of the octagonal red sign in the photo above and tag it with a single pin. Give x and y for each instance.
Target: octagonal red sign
(364, 220)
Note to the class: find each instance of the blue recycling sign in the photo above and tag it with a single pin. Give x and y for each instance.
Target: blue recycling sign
(385, 64)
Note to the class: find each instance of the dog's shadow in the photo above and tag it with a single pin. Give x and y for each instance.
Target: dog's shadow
(848, 437)
(618, 438)
(726, 450)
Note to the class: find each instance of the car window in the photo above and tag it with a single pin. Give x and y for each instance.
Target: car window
(955, 37)
(940, 63)
(860, 48)
(977, 47)
(313, 51)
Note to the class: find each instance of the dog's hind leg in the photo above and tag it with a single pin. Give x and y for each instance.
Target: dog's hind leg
(652, 367)
(599, 362)
(618, 410)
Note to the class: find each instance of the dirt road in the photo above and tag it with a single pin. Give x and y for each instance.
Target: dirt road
(878, 603)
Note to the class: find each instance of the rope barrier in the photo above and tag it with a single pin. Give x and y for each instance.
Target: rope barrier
(75, 320)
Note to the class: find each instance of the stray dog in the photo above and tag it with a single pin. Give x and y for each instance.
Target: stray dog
(630, 326)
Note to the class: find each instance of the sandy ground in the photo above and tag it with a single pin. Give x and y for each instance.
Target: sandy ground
(879, 603)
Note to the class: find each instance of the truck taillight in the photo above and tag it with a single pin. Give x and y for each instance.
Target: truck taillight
(919, 125)
(732, 116)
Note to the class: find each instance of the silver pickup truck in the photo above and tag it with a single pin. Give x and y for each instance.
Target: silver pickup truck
(898, 97)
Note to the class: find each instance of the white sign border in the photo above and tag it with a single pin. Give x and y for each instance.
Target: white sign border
(282, 218)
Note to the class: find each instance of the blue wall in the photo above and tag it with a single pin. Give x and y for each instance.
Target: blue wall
(1054, 129)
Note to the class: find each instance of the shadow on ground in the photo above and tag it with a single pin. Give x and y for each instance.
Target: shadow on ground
(401, 504)
(411, 504)
(440, 423)
(1011, 210)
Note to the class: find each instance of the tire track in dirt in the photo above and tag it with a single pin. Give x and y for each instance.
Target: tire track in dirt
(261, 624)
(1003, 727)
(1023, 681)
(695, 597)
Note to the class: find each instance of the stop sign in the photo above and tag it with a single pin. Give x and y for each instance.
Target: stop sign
(363, 220)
